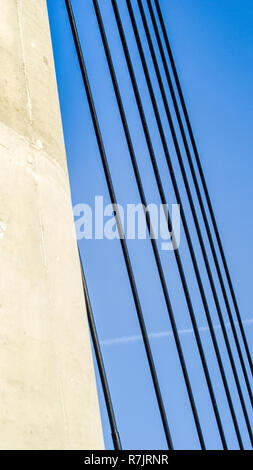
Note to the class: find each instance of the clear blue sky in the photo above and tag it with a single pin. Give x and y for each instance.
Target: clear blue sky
(212, 42)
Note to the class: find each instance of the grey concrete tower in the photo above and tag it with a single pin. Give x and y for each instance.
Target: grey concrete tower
(48, 397)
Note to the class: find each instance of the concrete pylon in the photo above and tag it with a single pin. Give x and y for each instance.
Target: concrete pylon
(48, 397)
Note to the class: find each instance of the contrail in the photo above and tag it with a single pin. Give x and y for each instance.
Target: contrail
(163, 334)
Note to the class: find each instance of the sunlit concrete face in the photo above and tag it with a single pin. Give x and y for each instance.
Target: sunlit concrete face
(47, 386)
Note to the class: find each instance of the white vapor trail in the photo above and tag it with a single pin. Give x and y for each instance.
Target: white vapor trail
(163, 334)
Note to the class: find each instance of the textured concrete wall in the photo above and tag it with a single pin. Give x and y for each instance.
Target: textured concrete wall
(48, 396)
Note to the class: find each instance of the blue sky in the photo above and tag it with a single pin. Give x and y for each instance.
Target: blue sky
(212, 43)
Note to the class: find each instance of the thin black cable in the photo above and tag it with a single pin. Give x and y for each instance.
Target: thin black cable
(202, 211)
(204, 184)
(202, 245)
(119, 226)
(160, 187)
(100, 363)
(144, 64)
(144, 203)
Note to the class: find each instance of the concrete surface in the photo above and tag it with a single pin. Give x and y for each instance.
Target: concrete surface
(48, 397)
